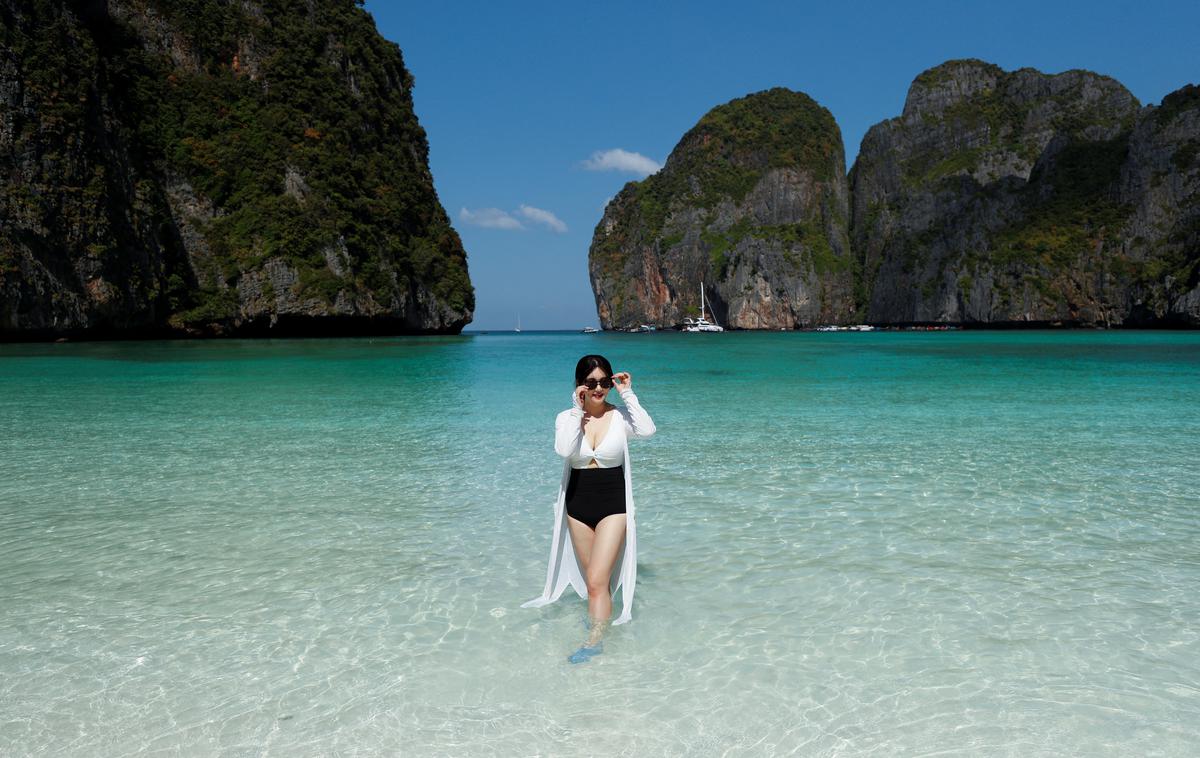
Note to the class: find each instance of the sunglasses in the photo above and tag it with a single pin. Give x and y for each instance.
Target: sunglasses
(606, 383)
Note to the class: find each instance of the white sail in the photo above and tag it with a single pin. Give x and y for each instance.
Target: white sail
(702, 324)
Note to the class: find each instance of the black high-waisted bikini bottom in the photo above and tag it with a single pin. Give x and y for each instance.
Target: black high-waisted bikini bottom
(593, 493)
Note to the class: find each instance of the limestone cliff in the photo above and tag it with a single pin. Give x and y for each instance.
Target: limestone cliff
(995, 198)
(1160, 181)
(1020, 197)
(753, 201)
(252, 167)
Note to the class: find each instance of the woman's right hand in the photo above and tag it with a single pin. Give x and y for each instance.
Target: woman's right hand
(580, 394)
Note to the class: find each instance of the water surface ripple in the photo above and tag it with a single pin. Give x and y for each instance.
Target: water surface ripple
(972, 543)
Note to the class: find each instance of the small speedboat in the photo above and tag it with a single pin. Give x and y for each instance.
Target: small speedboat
(590, 330)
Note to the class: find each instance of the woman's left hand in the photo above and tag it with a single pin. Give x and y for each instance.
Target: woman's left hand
(623, 381)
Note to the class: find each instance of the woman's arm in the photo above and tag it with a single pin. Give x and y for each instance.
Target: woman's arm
(568, 429)
(638, 423)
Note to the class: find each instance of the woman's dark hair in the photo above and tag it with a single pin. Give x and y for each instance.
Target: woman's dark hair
(589, 362)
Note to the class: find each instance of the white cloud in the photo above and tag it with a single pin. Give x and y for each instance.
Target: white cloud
(490, 218)
(540, 216)
(621, 160)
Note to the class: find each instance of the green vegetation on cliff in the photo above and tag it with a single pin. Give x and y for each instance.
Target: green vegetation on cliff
(1185, 98)
(340, 117)
(709, 213)
(993, 120)
(730, 149)
(996, 197)
(292, 120)
(1075, 214)
(1027, 197)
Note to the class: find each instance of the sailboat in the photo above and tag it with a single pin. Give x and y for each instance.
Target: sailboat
(701, 324)
(518, 322)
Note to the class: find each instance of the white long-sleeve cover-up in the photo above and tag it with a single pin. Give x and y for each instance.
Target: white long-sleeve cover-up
(564, 569)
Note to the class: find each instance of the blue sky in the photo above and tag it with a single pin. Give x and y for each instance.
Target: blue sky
(517, 98)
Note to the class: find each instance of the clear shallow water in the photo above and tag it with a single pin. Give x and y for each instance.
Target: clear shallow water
(850, 544)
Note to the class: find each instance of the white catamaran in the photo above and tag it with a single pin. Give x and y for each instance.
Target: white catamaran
(701, 324)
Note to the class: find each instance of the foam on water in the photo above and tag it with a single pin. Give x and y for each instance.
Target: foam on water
(850, 544)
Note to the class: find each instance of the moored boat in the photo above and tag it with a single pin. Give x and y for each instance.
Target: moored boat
(701, 324)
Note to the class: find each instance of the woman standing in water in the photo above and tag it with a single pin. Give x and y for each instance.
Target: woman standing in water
(596, 499)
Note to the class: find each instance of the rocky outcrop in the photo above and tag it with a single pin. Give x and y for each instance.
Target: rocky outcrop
(753, 202)
(1020, 197)
(166, 171)
(996, 198)
(1160, 182)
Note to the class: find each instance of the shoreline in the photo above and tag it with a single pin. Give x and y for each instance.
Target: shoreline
(359, 331)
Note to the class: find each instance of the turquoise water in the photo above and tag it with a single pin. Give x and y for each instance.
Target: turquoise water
(964, 543)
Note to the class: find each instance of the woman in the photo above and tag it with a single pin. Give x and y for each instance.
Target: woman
(596, 498)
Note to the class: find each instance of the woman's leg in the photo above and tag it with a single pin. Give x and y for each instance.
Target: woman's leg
(582, 537)
(606, 543)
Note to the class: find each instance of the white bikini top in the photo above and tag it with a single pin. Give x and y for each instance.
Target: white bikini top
(610, 453)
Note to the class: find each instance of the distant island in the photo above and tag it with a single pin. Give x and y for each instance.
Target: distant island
(181, 169)
(996, 199)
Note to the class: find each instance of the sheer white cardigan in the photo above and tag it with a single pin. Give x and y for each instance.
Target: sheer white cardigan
(564, 569)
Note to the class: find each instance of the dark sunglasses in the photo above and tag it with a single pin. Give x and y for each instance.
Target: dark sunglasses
(606, 383)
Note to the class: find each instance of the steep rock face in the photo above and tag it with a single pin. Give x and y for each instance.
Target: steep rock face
(170, 168)
(753, 202)
(1160, 181)
(1019, 197)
